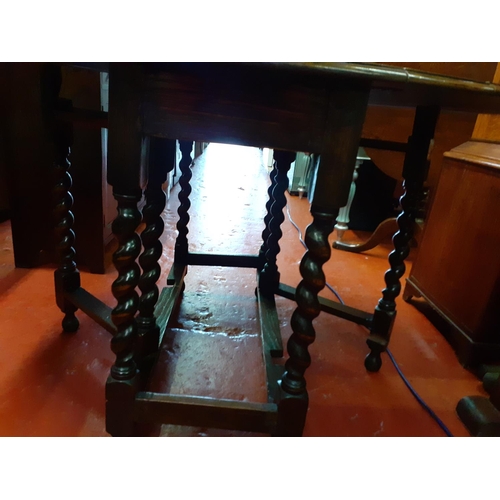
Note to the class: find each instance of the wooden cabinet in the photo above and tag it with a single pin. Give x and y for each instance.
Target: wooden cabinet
(26, 151)
(457, 269)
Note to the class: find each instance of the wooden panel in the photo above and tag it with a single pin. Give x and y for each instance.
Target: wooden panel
(453, 129)
(126, 145)
(235, 106)
(28, 167)
(395, 124)
(457, 265)
(488, 126)
(479, 153)
(477, 71)
(82, 87)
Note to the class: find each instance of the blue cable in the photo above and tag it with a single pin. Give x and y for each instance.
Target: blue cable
(424, 405)
(418, 398)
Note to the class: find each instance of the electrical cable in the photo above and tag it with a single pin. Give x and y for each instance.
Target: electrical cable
(418, 398)
(424, 405)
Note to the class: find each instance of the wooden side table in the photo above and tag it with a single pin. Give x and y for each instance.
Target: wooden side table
(288, 107)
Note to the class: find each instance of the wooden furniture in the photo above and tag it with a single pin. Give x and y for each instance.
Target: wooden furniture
(288, 107)
(342, 221)
(26, 100)
(457, 269)
(393, 126)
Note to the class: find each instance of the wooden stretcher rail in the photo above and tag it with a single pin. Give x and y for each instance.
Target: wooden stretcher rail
(169, 297)
(202, 259)
(270, 325)
(333, 308)
(272, 344)
(92, 307)
(384, 145)
(198, 411)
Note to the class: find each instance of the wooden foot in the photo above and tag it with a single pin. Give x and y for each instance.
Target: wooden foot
(373, 360)
(384, 231)
(292, 412)
(70, 322)
(410, 291)
(120, 402)
(480, 416)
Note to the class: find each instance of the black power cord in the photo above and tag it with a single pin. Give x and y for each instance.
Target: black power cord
(424, 405)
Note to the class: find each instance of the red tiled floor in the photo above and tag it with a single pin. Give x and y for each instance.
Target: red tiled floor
(52, 384)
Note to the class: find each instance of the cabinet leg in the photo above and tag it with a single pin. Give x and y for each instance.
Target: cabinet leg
(122, 383)
(410, 291)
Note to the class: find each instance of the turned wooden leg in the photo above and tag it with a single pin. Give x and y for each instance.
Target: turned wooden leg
(343, 218)
(293, 398)
(330, 189)
(122, 383)
(414, 173)
(268, 216)
(161, 161)
(181, 244)
(67, 276)
(270, 277)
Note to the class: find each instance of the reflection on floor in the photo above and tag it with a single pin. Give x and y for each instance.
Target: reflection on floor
(53, 384)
